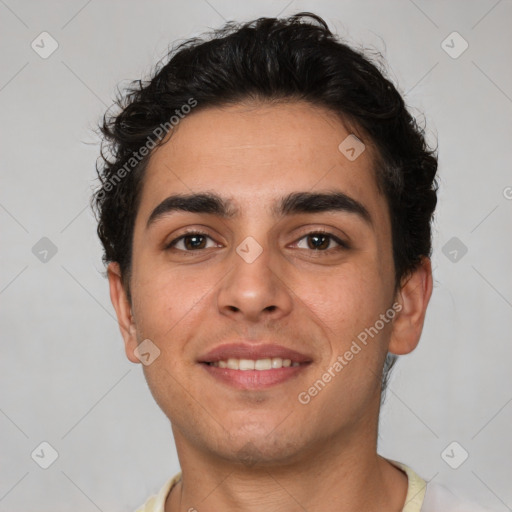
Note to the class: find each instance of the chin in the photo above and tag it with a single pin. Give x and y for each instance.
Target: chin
(260, 449)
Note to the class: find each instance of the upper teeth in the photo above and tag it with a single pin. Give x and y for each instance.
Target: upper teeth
(250, 364)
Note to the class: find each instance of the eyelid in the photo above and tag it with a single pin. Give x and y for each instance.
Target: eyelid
(184, 234)
(192, 231)
(342, 243)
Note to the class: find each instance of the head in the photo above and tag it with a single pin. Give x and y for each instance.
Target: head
(263, 130)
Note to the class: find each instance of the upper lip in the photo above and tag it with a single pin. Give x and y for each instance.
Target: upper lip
(251, 351)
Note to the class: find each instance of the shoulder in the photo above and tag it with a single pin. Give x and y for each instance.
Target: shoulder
(439, 498)
(156, 503)
(423, 496)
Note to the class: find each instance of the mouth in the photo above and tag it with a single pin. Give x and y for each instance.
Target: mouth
(254, 367)
(251, 364)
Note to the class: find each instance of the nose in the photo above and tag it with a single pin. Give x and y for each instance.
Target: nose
(255, 288)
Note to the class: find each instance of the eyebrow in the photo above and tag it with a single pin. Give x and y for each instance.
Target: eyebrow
(292, 204)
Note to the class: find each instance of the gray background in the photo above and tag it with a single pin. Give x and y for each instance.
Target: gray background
(64, 377)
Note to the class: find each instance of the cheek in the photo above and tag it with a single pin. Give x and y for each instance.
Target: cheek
(164, 297)
(346, 299)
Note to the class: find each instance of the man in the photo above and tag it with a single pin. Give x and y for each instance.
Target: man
(265, 211)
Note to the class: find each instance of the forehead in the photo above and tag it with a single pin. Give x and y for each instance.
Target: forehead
(256, 153)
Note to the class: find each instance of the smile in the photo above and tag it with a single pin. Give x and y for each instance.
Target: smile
(251, 364)
(247, 374)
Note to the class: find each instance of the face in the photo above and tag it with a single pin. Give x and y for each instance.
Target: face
(305, 274)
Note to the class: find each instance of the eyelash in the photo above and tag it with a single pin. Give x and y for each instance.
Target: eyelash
(342, 245)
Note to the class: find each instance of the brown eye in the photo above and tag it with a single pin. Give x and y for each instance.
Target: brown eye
(189, 242)
(321, 241)
(192, 242)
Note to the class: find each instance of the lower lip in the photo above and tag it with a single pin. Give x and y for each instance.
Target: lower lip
(254, 379)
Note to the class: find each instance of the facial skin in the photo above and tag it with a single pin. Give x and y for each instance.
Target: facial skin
(319, 455)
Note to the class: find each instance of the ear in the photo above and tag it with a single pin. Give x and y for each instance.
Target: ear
(123, 311)
(413, 297)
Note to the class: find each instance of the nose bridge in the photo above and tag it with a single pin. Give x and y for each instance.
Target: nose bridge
(252, 287)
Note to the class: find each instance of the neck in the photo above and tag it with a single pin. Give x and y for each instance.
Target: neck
(345, 476)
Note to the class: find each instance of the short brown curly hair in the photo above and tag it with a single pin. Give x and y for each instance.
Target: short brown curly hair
(268, 59)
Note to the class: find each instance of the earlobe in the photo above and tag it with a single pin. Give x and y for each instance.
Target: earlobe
(413, 297)
(123, 310)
